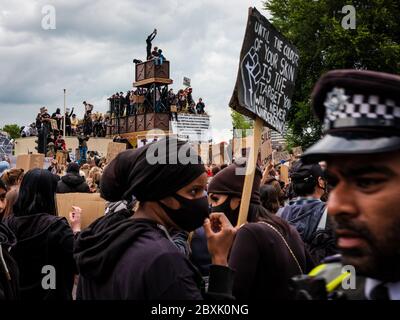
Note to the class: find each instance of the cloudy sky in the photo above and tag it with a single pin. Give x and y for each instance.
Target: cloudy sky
(91, 50)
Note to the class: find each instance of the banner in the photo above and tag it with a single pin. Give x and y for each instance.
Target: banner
(267, 73)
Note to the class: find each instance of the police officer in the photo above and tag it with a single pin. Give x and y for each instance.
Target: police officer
(361, 115)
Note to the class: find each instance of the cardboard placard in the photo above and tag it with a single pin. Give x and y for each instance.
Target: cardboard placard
(266, 148)
(114, 148)
(267, 73)
(92, 205)
(279, 156)
(285, 174)
(30, 161)
(53, 124)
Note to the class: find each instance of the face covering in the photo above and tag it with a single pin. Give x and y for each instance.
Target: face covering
(225, 207)
(190, 215)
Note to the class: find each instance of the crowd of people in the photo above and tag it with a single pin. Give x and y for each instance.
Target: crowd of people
(141, 101)
(49, 129)
(169, 230)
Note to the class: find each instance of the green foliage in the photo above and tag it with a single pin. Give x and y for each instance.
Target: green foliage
(240, 121)
(315, 28)
(13, 130)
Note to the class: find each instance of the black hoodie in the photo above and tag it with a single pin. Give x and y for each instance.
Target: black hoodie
(72, 182)
(119, 257)
(8, 266)
(43, 239)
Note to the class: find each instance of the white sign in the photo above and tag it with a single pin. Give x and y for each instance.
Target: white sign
(192, 127)
(186, 82)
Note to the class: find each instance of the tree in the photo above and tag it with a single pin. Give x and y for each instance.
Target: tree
(242, 122)
(13, 130)
(315, 28)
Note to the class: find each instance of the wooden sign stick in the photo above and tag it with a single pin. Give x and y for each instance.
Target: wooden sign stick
(250, 171)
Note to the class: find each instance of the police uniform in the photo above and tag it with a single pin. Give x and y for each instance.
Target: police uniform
(360, 111)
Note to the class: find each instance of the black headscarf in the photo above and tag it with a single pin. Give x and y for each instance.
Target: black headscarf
(227, 181)
(152, 172)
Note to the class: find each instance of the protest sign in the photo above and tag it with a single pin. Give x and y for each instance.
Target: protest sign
(53, 124)
(264, 87)
(267, 73)
(281, 156)
(186, 81)
(92, 205)
(114, 148)
(266, 148)
(30, 161)
(284, 174)
(297, 151)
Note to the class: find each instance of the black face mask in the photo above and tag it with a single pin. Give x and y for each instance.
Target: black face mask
(190, 215)
(225, 207)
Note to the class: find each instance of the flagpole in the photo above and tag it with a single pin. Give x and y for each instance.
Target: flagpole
(65, 111)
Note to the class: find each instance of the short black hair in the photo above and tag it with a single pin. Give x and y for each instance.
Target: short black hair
(305, 177)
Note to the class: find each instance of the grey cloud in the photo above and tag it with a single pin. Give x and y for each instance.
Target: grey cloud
(91, 51)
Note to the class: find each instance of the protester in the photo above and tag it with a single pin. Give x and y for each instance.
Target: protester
(361, 110)
(4, 165)
(200, 106)
(159, 60)
(74, 124)
(12, 178)
(88, 108)
(269, 198)
(53, 168)
(68, 127)
(8, 267)
(58, 117)
(72, 182)
(82, 148)
(11, 199)
(3, 201)
(267, 251)
(124, 257)
(43, 239)
(149, 39)
(308, 213)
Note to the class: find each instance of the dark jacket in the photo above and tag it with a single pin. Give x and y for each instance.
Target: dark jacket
(72, 182)
(8, 267)
(42, 240)
(119, 257)
(305, 217)
(263, 264)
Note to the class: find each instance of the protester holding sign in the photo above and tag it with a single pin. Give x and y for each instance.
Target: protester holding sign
(135, 258)
(266, 252)
(43, 239)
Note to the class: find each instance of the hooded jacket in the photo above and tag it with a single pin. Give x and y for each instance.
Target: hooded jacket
(72, 182)
(8, 266)
(43, 240)
(135, 259)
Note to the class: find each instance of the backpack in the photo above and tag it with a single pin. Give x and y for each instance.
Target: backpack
(315, 228)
